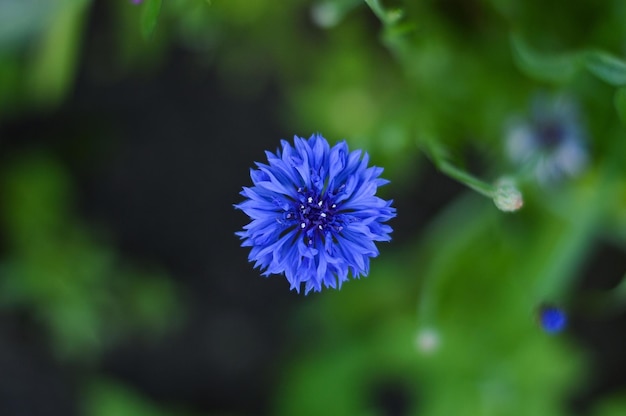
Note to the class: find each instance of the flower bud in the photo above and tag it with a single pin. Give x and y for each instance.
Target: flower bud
(506, 196)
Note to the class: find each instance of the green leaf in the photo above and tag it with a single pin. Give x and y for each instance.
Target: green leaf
(620, 103)
(149, 17)
(55, 55)
(606, 67)
(559, 68)
(104, 397)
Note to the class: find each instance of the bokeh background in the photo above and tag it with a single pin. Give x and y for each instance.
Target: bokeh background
(127, 132)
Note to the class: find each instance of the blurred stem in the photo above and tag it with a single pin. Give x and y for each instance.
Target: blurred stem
(377, 9)
(437, 155)
(393, 32)
(394, 39)
(466, 179)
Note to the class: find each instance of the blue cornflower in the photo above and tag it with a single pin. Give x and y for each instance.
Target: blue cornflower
(552, 140)
(552, 319)
(315, 214)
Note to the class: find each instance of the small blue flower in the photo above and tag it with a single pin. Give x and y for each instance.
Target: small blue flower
(552, 140)
(315, 214)
(552, 319)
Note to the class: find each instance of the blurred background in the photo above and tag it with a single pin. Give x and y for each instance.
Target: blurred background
(127, 131)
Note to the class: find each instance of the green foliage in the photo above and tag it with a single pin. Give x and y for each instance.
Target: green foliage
(413, 83)
(105, 397)
(613, 406)
(39, 44)
(150, 16)
(53, 62)
(492, 358)
(77, 287)
(559, 68)
(607, 67)
(620, 103)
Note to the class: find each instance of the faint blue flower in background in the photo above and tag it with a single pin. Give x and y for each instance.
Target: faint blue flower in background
(315, 214)
(552, 141)
(552, 319)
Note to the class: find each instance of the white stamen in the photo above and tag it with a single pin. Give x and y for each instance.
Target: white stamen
(320, 227)
(302, 225)
(333, 206)
(319, 204)
(310, 200)
(323, 215)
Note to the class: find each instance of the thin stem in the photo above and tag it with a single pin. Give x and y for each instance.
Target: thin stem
(378, 10)
(437, 155)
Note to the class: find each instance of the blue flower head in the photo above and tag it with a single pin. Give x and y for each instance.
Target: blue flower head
(552, 319)
(315, 214)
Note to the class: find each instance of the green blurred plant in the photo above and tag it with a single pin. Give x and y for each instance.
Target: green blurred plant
(105, 397)
(39, 44)
(55, 270)
(403, 80)
(478, 349)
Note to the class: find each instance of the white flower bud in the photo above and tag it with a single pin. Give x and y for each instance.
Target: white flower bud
(506, 196)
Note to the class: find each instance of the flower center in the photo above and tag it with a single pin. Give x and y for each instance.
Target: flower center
(550, 134)
(315, 214)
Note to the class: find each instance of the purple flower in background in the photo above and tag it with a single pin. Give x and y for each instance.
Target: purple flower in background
(136, 1)
(315, 214)
(552, 140)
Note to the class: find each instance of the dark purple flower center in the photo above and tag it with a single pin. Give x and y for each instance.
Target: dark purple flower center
(550, 134)
(314, 214)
